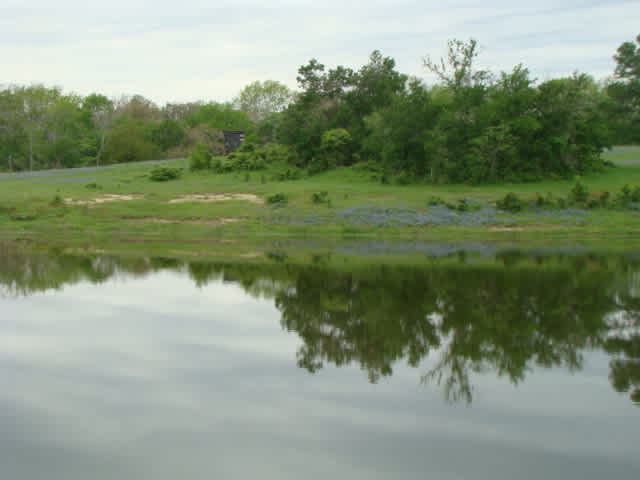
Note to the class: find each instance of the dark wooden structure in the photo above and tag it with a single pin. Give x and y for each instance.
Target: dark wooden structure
(233, 139)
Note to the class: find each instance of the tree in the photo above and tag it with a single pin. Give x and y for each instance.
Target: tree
(625, 91)
(457, 70)
(261, 99)
(102, 113)
(130, 141)
(11, 127)
(64, 132)
(35, 102)
(222, 116)
(137, 107)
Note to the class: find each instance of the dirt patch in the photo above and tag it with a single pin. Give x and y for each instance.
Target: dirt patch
(498, 228)
(506, 229)
(214, 222)
(103, 199)
(251, 255)
(218, 197)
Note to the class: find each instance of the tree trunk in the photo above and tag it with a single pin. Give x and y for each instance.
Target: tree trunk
(10, 163)
(30, 153)
(99, 155)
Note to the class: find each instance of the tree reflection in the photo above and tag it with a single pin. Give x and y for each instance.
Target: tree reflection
(450, 318)
(474, 319)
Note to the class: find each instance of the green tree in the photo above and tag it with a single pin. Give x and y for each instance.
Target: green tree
(261, 99)
(12, 134)
(102, 113)
(130, 141)
(222, 116)
(625, 92)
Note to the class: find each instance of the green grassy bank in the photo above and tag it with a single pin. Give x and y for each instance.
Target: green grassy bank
(121, 205)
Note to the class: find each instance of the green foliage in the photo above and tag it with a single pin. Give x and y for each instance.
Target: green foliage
(288, 173)
(57, 201)
(547, 201)
(277, 199)
(167, 134)
(511, 203)
(435, 201)
(261, 99)
(320, 197)
(603, 199)
(130, 141)
(222, 116)
(335, 147)
(624, 94)
(93, 186)
(164, 174)
(473, 126)
(251, 157)
(200, 158)
(579, 194)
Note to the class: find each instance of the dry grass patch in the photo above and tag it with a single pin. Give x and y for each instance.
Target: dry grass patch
(214, 222)
(218, 197)
(103, 199)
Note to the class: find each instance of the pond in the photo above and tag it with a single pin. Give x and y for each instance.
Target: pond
(489, 364)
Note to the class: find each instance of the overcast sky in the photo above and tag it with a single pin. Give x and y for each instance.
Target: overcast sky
(189, 50)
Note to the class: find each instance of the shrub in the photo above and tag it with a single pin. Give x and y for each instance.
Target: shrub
(93, 186)
(624, 197)
(635, 195)
(277, 199)
(510, 203)
(57, 201)
(288, 174)
(603, 199)
(403, 178)
(434, 201)
(462, 205)
(200, 158)
(164, 174)
(336, 146)
(319, 197)
(579, 194)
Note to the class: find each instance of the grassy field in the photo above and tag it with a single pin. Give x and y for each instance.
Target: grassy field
(120, 204)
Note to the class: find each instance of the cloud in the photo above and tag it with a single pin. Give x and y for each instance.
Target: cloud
(192, 50)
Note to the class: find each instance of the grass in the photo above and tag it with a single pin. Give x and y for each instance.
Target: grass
(29, 209)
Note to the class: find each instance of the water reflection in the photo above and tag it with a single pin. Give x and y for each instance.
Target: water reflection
(505, 314)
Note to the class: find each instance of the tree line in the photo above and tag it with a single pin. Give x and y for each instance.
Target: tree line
(43, 127)
(471, 125)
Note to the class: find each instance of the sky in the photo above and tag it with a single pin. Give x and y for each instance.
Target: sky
(191, 50)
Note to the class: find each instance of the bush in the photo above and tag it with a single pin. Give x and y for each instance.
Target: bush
(250, 157)
(277, 199)
(624, 197)
(288, 174)
(200, 158)
(579, 194)
(164, 174)
(510, 203)
(319, 197)
(57, 201)
(547, 201)
(603, 199)
(403, 178)
(561, 203)
(336, 147)
(435, 201)
(461, 206)
(93, 186)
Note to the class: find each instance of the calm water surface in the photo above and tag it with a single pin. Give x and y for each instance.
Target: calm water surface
(498, 366)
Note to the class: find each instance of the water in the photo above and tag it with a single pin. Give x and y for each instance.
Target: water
(495, 365)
